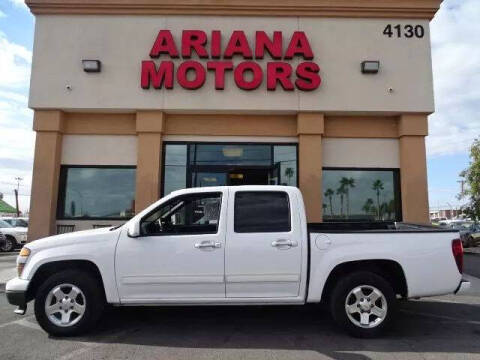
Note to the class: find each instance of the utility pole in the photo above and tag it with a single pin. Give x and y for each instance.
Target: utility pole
(462, 186)
(18, 179)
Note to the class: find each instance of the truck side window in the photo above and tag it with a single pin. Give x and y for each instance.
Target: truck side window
(257, 211)
(188, 214)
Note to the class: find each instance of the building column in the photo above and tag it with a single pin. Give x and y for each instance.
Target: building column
(412, 130)
(310, 128)
(150, 126)
(46, 173)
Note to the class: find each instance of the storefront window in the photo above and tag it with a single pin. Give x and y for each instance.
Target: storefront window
(285, 158)
(219, 164)
(361, 195)
(96, 192)
(175, 167)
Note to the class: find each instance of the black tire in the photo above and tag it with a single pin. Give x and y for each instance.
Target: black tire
(471, 241)
(338, 303)
(94, 299)
(10, 244)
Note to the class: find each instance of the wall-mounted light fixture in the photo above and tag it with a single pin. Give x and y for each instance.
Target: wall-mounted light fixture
(370, 67)
(92, 65)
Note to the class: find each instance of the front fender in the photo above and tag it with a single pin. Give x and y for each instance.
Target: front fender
(101, 254)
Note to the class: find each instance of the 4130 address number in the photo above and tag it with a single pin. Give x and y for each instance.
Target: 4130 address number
(406, 31)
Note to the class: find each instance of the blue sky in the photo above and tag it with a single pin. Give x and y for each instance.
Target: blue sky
(455, 35)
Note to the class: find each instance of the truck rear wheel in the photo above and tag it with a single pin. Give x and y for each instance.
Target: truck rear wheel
(364, 304)
(69, 303)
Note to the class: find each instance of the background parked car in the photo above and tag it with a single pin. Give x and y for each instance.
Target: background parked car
(16, 221)
(471, 236)
(14, 236)
(465, 229)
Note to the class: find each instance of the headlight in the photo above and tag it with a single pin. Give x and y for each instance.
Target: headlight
(22, 260)
(25, 252)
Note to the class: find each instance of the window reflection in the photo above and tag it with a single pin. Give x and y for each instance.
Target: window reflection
(97, 193)
(285, 158)
(175, 167)
(361, 195)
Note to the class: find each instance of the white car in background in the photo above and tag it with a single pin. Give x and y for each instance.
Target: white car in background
(14, 235)
(20, 222)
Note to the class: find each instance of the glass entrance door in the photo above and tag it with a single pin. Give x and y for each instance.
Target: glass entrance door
(234, 175)
(195, 164)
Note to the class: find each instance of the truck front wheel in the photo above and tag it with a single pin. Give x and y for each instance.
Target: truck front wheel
(69, 303)
(364, 304)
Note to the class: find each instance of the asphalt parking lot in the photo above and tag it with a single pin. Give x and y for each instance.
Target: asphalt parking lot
(437, 328)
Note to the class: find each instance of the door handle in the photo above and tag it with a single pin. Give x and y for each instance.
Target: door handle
(208, 244)
(283, 243)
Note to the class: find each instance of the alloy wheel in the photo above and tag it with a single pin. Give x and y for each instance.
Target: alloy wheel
(65, 305)
(366, 306)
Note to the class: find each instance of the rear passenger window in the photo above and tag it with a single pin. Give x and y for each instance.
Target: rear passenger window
(257, 211)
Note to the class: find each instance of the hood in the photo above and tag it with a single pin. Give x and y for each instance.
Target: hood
(94, 235)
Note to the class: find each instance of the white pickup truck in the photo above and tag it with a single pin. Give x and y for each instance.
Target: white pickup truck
(245, 245)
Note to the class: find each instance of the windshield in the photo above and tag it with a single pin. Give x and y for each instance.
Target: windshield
(21, 223)
(4, 224)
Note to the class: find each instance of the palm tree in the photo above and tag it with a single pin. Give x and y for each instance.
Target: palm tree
(289, 173)
(377, 187)
(347, 183)
(341, 191)
(367, 207)
(328, 194)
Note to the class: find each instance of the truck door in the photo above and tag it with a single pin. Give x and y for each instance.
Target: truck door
(180, 253)
(263, 257)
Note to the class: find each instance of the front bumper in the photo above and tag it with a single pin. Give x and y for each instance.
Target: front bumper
(16, 292)
(463, 287)
(17, 298)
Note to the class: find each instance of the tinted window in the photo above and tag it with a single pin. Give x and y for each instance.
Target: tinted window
(190, 214)
(361, 195)
(261, 212)
(97, 193)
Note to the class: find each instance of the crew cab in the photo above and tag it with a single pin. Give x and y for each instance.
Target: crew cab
(242, 245)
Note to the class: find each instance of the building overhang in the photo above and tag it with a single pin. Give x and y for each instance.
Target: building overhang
(411, 9)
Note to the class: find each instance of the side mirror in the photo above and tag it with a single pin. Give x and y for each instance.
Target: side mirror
(133, 229)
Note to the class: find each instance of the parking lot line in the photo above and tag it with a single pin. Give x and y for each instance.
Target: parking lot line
(88, 346)
(443, 317)
(18, 322)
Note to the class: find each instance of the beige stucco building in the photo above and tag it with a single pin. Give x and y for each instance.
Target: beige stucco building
(293, 107)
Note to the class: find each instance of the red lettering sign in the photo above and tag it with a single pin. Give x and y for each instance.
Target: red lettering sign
(257, 75)
(220, 67)
(247, 75)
